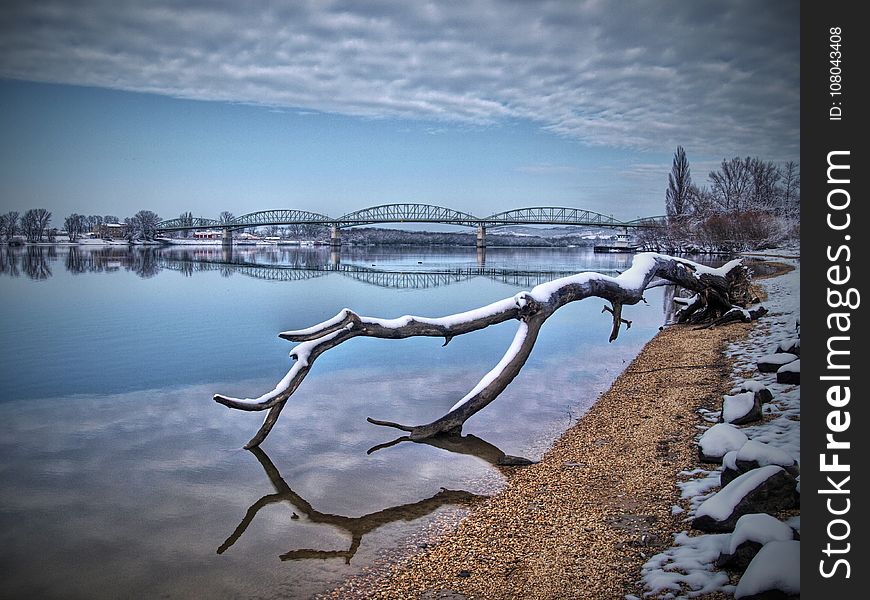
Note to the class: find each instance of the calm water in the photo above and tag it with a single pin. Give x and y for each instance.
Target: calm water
(121, 477)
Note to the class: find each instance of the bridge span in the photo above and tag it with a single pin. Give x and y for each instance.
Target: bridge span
(410, 213)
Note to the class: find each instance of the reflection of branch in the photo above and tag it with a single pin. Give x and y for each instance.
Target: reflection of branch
(356, 526)
(470, 445)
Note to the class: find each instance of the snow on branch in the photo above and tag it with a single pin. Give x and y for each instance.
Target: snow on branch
(720, 292)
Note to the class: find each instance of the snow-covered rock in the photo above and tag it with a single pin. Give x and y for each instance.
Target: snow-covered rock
(730, 472)
(789, 373)
(769, 363)
(751, 532)
(740, 409)
(717, 441)
(766, 489)
(754, 454)
(761, 391)
(792, 346)
(773, 573)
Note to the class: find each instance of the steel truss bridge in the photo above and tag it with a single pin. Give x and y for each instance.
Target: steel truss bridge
(411, 213)
(376, 277)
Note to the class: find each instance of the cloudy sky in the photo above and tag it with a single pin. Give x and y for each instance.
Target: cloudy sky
(109, 106)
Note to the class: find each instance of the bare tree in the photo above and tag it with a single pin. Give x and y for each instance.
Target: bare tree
(790, 184)
(226, 217)
(9, 225)
(721, 296)
(95, 223)
(679, 193)
(731, 184)
(34, 224)
(764, 192)
(75, 226)
(110, 219)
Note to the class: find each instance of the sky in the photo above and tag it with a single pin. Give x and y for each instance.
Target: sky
(110, 106)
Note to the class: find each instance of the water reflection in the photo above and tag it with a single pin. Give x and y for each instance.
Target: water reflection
(34, 261)
(469, 445)
(357, 527)
(444, 267)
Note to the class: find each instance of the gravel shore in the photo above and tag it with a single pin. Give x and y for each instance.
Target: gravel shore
(580, 523)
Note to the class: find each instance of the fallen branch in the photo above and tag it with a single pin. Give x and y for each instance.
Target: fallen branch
(717, 291)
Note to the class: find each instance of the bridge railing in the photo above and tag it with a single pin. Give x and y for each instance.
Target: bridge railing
(407, 213)
(415, 213)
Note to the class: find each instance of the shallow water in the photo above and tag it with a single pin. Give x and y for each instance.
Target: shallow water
(122, 477)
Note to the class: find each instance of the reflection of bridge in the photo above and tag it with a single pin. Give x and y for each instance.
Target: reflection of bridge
(377, 277)
(410, 213)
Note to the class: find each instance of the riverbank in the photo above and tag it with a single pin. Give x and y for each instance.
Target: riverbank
(583, 521)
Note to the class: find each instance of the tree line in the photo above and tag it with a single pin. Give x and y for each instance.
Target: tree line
(747, 203)
(35, 225)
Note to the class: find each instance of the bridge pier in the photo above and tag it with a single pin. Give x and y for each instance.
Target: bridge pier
(227, 238)
(335, 237)
(481, 236)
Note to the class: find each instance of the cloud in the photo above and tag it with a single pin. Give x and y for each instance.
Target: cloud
(717, 77)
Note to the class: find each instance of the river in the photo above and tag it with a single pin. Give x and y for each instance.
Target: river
(121, 477)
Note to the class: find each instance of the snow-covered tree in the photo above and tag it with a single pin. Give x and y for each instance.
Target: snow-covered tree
(142, 226)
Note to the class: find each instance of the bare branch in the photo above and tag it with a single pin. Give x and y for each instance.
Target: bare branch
(718, 291)
(616, 311)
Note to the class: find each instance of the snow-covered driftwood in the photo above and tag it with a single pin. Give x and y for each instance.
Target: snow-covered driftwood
(717, 291)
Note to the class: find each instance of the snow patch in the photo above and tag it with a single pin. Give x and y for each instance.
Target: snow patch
(780, 358)
(686, 570)
(749, 385)
(792, 367)
(763, 454)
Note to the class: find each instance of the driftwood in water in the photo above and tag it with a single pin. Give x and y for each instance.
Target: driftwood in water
(721, 295)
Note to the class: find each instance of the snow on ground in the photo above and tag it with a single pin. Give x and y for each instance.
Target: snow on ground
(686, 570)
